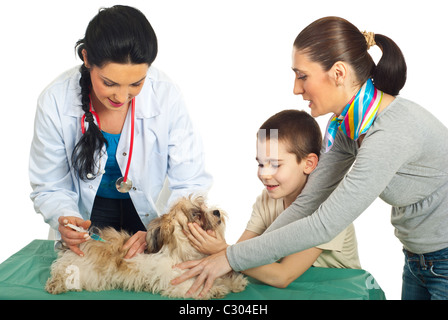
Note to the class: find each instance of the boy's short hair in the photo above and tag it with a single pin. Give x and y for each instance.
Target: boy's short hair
(298, 130)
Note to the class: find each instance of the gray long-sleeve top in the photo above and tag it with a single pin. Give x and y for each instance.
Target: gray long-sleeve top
(403, 159)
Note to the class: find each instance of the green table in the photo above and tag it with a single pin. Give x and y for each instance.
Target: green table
(24, 274)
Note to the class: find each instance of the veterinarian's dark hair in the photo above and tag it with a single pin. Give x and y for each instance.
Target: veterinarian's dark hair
(119, 34)
(333, 39)
(298, 130)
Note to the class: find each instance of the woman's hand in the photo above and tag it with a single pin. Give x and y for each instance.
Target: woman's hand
(136, 244)
(207, 270)
(205, 242)
(71, 238)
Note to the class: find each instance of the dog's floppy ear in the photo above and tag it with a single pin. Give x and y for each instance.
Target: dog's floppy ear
(153, 236)
(153, 241)
(158, 234)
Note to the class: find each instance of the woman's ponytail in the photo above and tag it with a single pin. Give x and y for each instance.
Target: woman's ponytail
(389, 75)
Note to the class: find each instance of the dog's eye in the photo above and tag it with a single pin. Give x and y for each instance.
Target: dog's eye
(196, 213)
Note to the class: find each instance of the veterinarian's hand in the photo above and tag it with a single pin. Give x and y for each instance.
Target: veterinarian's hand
(207, 270)
(207, 242)
(136, 244)
(71, 238)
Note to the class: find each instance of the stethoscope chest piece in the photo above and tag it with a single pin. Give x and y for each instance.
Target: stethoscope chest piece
(123, 186)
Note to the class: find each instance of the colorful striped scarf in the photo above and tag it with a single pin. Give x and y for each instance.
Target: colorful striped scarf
(357, 116)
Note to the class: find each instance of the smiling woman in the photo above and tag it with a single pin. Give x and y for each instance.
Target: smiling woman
(116, 84)
(113, 87)
(113, 36)
(91, 119)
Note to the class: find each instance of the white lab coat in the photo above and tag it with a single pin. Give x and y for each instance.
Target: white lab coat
(165, 147)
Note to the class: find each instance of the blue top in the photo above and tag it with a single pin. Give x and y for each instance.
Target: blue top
(107, 187)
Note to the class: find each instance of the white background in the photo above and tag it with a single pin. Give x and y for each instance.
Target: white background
(232, 60)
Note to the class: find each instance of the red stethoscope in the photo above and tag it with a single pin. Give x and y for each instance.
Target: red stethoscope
(123, 184)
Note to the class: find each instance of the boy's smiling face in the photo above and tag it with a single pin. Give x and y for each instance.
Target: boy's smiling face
(279, 171)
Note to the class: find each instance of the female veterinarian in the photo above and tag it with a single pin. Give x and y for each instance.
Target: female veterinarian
(107, 135)
(377, 145)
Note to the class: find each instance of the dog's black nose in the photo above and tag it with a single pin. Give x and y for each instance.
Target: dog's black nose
(216, 213)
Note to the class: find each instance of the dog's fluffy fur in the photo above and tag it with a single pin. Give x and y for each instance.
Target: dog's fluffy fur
(104, 268)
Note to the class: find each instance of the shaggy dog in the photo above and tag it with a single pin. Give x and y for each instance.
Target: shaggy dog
(103, 266)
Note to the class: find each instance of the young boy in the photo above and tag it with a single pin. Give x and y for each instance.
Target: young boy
(288, 149)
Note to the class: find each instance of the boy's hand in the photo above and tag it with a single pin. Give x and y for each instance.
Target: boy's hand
(205, 242)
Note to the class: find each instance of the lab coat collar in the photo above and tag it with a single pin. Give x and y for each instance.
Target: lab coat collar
(146, 104)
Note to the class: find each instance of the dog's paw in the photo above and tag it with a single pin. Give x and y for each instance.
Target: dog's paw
(239, 284)
(55, 286)
(216, 292)
(236, 281)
